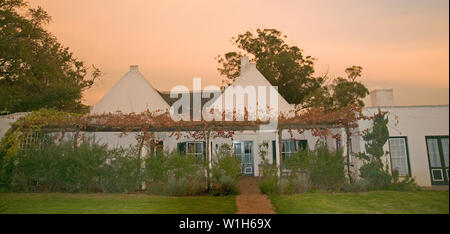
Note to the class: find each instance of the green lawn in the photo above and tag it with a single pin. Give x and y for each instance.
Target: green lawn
(375, 202)
(65, 203)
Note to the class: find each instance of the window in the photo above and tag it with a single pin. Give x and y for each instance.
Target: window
(156, 148)
(290, 147)
(337, 144)
(437, 147)
(398, 150)
(194, 148)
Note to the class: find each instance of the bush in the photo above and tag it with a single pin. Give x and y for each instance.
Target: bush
(356, 187)
(174, 174)
(376, 175)
(269, 185)
(225, 172)
(323, 168)
(65, 168)
(407, 184)
(295, 184)
(327, 170)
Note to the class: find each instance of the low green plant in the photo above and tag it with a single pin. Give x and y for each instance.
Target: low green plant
(66, 167)
(375, 174)
(407, 184)
(225, 172)
(174, 174)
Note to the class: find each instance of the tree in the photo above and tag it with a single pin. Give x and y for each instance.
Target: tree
(36, 71)
(373, 170)
(342, 93)
(283, 65)
(376, 138)
(345, 92)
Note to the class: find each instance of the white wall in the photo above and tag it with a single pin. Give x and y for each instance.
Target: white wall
(7, 120)
(414, 122)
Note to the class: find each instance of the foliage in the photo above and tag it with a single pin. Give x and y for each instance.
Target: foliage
(376, 175)
(356, 187)
(295, 183)
(323, 167)
(282, 64)
(348, 91)
(376, 138)
(320, 169)
(65, 168)
(36, 71)
(174, 174)
(225, 171)
(269, 185)
(407, 184)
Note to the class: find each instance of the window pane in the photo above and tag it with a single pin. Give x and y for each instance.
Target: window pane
(191, 148)
(284, 146)
(247, 148)
(293, 146)
(399, 156)
(433, 151)
(200, 147)
(444, 142)
(237, 148)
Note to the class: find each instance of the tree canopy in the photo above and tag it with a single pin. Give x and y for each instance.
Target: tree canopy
(36, 71)
(287, 67)
(283, 65)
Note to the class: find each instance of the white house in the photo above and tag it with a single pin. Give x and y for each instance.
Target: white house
(418, 145)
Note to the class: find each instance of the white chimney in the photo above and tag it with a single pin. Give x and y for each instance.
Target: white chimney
(134, 68)
(244, 64)
(382, 97)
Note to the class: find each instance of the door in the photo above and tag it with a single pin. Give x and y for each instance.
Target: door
(244, 150)
(437, 147)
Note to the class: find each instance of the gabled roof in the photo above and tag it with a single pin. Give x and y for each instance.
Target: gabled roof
(132, 93)
(166, 96)
(250, 76)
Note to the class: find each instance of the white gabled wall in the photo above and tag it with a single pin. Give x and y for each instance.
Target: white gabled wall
(250, 76)
(131, 94)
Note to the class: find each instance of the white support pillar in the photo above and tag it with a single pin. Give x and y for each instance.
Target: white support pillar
(277, 151)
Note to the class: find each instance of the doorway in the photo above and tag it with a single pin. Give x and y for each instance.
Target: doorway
(244, 150)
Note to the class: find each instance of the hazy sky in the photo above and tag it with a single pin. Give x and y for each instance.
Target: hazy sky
(401, 44)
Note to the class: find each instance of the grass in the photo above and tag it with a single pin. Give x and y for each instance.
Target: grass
(66, 203)
(374, 202)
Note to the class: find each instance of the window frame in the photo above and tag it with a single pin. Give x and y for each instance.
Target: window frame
(444, 170)
(201, 156)
(407, 154)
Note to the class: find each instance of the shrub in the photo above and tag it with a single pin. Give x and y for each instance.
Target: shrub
(322, 167)
(64, 168)
(327, 170)
(356, 187)
(225, 172)
(174, 174)
(376, 175)
(407, 184)
(295, 184)
(269, 185)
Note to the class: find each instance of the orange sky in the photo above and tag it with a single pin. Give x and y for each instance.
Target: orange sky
(402, 44)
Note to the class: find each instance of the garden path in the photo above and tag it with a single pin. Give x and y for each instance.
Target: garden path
(251, 200)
